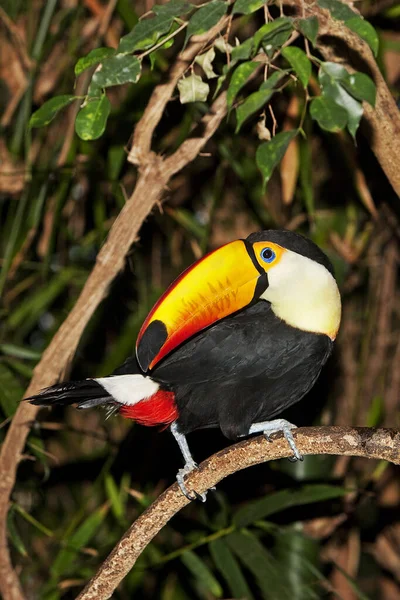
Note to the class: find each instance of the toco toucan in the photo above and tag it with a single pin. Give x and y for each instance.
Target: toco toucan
(238, 337)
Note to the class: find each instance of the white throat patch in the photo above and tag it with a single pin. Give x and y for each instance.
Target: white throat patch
(304, 294)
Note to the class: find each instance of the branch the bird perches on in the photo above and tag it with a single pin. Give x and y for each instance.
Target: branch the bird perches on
(366, 442)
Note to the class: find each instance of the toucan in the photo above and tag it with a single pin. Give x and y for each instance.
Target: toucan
(238, 337)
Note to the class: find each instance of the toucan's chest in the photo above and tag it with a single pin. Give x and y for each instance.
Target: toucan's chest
(250, 365)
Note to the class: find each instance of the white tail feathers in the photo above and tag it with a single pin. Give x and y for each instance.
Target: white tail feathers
(128, 389)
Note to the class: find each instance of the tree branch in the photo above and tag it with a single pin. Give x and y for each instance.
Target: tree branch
(380, 124)
(154, 174)
(349, 441)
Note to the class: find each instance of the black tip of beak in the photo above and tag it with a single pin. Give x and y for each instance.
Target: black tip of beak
(151, 343)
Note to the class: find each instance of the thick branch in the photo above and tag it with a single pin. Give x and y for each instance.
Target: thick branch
(350, 441)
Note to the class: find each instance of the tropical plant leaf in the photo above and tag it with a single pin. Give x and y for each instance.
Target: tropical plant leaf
(230, 569)
(338, 9)
(274, 503)
(11, 390)
(117, 70)
(361, 87)
(260, 563)
(93, 58)
(300, 63)
(309, 28)
(148, 31)
(205, 61)
(273, 34)
(46, 113)
(77, 540)
(239, 78)
(246, 7)
(329, 115)
(204, 18)
(366, 31)
(91, 120)
(193, 89)
(270, 153)
(202, 574)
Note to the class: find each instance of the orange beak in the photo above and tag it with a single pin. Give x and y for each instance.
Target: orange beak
(221, 283)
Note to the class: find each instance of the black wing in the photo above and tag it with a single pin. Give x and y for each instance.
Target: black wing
(244, 369)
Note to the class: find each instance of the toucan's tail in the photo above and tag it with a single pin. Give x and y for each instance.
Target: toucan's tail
(84, 394)
(115, 390)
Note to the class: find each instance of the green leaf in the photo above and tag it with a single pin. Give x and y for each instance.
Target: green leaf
(239, 79)
(270, 153)
(300, 63)
(252, 104)
(188, 221)
(309, 28)
(256, 101)
(91, 120)
(29, 310)
(205, 61)
(338, 9)
(366, 32)
(113, 495)
(201, 573)
(333, 79)
(242, 52)
(34, 522)
(273, 34)
(81, 536)
(361, 87)
(328, 114)
(14, 534)
(148, 31)
(205, 17)
(273, 79)
(117, 70)
(193, 89)
(298, 557)
(93, 58)
(11, 391)
(230, 569)
(259, 562)
(274, 503)
(352, 107)
(20, 351)
(46, 113)
(246, 7)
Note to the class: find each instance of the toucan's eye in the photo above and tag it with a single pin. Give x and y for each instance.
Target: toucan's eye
(268, 255)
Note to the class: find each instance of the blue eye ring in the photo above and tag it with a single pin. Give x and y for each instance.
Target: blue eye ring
(267, 255)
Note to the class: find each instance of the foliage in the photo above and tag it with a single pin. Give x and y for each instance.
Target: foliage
(284, 157)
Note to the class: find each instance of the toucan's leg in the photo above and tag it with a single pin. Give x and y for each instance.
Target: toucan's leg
(270, 427)
(190, 465)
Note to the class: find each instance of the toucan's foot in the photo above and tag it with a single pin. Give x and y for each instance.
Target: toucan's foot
(278, 425)
(180, 477)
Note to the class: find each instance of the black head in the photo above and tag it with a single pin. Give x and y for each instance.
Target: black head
(294, 242)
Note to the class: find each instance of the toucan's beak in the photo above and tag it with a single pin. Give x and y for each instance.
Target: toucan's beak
(216, 286)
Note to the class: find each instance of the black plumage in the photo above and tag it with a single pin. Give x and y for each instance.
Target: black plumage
(85, 394)
(244, 369)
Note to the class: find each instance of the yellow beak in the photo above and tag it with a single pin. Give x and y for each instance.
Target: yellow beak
(221, 283)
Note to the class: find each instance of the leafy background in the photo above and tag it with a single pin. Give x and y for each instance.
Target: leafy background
(323, 528)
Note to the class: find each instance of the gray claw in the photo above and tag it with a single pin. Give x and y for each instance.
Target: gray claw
(278, 425)
(180, 477)
(290, 440)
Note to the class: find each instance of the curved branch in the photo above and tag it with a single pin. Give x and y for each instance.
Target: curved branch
(350, 441)
(380, 124)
